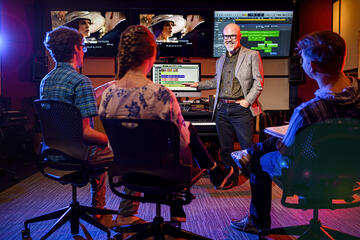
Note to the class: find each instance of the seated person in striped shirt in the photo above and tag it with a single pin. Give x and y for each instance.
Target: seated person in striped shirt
(338, 96)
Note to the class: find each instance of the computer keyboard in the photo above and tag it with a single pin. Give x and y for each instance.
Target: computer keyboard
(203, 123)
(198, 115)
(201, 120)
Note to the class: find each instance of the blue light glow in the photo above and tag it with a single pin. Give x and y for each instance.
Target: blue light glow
(1, 43)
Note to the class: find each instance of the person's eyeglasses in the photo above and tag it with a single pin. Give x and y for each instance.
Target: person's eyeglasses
(84, 48)
(227, 37)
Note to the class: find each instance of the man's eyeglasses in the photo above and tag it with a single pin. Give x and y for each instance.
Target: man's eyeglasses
(84, 48)
(227, 37)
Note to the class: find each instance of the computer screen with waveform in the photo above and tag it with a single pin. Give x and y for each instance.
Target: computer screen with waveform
(268, 32)
(173, 75)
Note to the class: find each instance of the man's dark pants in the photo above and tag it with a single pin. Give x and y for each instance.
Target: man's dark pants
(233, 118)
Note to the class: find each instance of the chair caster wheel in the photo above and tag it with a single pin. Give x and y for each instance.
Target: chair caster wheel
(25, 234)
(118, 236)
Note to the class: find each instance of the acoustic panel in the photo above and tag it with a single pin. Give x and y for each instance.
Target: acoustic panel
(275, 95)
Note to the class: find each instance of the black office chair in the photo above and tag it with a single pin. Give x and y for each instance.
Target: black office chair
(61, 125)
(147, 160)
(325, 167)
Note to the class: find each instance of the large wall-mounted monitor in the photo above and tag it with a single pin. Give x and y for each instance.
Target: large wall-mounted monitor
(179, 34)
(268, 32)
(103, 34)
(173, 75)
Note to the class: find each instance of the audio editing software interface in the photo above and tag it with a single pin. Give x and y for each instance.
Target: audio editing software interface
(268, 32)
(173, 76)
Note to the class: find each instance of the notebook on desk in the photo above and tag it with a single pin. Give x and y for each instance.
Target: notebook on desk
(278, 131)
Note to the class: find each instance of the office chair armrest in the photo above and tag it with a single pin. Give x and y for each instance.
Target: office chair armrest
(50, 152)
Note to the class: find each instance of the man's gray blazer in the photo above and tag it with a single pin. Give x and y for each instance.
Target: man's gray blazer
(249, 71)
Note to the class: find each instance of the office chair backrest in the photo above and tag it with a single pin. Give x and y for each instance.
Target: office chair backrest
(61, 125)
(146, 147)
(326, 161)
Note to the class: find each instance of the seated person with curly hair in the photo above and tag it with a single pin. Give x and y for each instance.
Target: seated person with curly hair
(135, 96)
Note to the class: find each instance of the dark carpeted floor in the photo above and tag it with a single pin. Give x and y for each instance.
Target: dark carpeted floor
(16, 168)
(209, 214)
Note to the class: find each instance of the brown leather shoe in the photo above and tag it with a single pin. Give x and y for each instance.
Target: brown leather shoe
(128, 220)
(105, 220)
(236, 181)
(228, 185)
(221, 175)
(243, 177)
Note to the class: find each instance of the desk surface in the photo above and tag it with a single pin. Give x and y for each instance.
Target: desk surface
(278, 131)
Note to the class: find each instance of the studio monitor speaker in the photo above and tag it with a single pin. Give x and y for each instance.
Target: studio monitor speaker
(296, 73)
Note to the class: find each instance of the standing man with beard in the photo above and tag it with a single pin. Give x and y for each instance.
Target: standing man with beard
(238, 81)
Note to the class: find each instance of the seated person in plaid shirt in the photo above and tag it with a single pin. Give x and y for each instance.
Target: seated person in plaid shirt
(338, 96)
(64, 83)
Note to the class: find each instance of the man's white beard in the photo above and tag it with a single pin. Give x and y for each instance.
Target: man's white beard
(230, 47)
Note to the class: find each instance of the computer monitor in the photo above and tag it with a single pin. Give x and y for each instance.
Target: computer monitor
(268, 32)
(190, 35)
(172, 75)
(103, 35)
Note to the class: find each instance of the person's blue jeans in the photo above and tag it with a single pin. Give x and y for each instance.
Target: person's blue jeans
(266, 162)
(233, 119)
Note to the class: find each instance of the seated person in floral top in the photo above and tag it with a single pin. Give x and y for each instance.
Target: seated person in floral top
(135, 96)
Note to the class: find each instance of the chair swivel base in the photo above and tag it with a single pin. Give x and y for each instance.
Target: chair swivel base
(314, 230)
(72, 213)
(158, 229)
